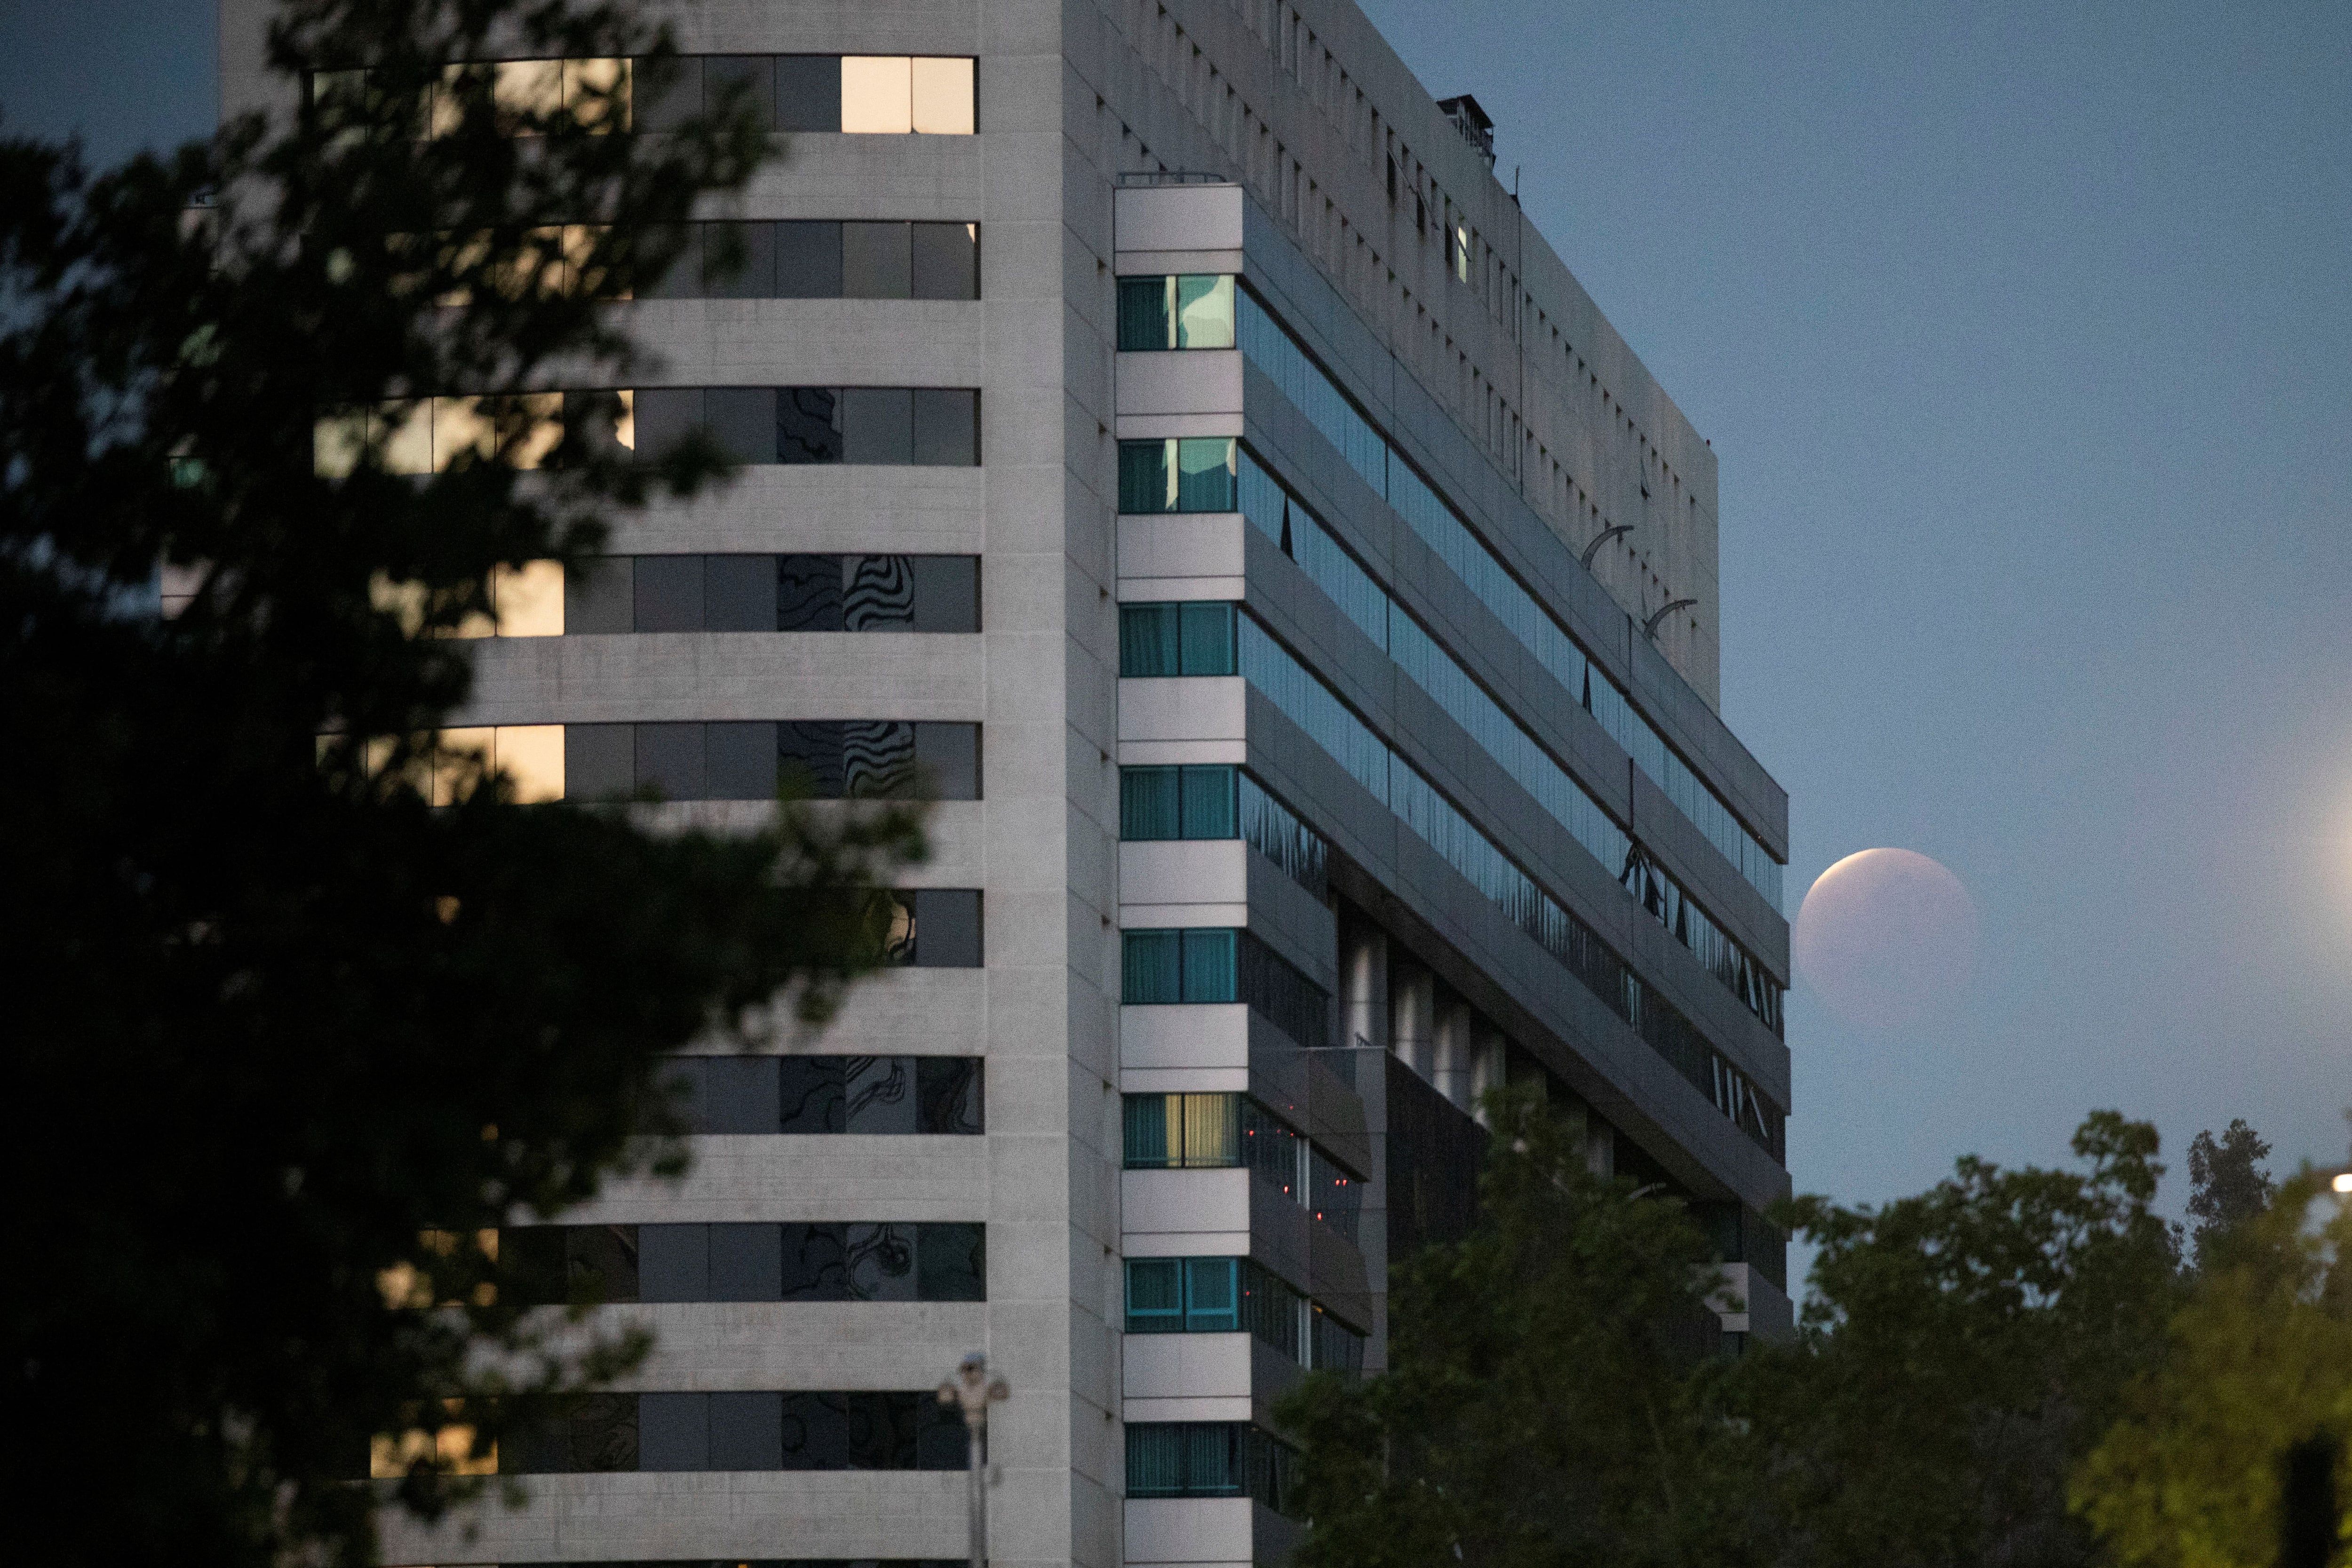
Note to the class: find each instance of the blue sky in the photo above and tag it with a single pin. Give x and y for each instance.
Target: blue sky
(2025, 335)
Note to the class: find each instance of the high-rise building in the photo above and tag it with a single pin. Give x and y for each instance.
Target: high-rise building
(1162, 430)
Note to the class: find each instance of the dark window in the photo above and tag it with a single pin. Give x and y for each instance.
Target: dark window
(600, 596)
(811, 1096)
(809, 594)
(753, 77)
(810, 753)
(600, 761)
(1163, 639)
(947, 593)
(1147, 322)
(1209, 1459)
(670, 760)
(942, 928)
(1195, 801)
(882, 1262)
(948, 1094)
(739, 260)
(816, 1263)
(952, 1263)
(1191, 474)
(880, 1092)
(674, 1263)
(808, 92)
(880, 596)
(664, 416)
(946, 261)
(740, 760)
(946, 427)
(746, 1264)
(669, 592)
(663, 98)
(808, 426)
(808, 261)
(878, 424)
(1276, 990)
(739, 1095)
(738, 593)
(877, 261)
(683, 279)
(877, 759)
(674, 1432)
(745, 422)
(747, 1431)
(948, 757)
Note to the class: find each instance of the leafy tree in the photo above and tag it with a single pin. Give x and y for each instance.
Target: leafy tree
(2228, 1185)
(2260, 1366)
(1959, 1351)
(1545, 1402)
(284, 1037)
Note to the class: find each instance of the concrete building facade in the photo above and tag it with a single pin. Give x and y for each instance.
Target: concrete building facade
(1161, 428)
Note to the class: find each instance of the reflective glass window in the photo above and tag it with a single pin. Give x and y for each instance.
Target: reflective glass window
(944, 260)
(878, 424)
(750, 80)
(877, 95)
(946, 427)
(668, 594)
(1155, 1295)
(808, 92)
(948, 1091)
(877, 261)
(739, 260)
(738, 593)
(743, 421)
(942, 95)
(809, 594)
(1204, 308)
(670, 760)
(808, 261)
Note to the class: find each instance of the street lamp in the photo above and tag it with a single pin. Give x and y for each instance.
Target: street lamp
(976, 1390)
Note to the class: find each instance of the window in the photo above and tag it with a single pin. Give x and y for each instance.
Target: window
(869, 1095)
(1191, 310)
(1227, 1295)
(860, 94)
(1169, 966)
(1192, 473)
(937, 927)
(827, 759)
(1189, 802)
(1209, 1459)
(603, 1433)
(551, 1264)
(924, 427)
(1461, 251)
(1182, 1131)
(620, 593)
(824, 260)
(1163, 639)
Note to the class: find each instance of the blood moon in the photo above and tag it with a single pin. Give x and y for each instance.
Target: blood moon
(1887, 938)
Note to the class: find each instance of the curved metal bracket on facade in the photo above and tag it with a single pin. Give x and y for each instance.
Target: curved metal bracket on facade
(1603, 537)
(1650, 626)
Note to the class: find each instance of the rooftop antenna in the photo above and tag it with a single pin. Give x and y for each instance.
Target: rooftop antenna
(1600, 539)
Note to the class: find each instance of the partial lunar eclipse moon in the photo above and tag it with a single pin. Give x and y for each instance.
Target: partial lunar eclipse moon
(1887, 938)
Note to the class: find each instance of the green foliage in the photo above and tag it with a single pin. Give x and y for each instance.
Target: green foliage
(272, 1017)
(1961, 1350)
(2260, 1362)
(1545, 1402)
(2228, 1185)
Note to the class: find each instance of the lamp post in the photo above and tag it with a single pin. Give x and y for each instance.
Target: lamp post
(976, 1390)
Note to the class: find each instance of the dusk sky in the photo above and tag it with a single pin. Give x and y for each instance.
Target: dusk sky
(2024, 337)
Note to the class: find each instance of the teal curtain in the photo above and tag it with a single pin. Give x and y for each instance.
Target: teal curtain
(1209, 807)
(1206, 638)
(1153, 968)
(1146, 312)
(1209, 967)
(1149, 804)
(1150, 640)
(1146, 480)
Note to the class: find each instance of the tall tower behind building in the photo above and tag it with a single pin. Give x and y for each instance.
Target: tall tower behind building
(1160, 427)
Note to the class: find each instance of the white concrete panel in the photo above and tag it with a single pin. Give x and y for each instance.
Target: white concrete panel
(1206, 1408)
(1178, 217)
(1160, 427)
(1187, 1366)
(1187, 1244)
(1185, 1202)
(1187, 545)
(1170, 878)
(1184, 1035)
(1148, 753)
(1179, 381)
(1184, 1081)
(1160, 263)
(1179, 709)
(1189, 1529)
